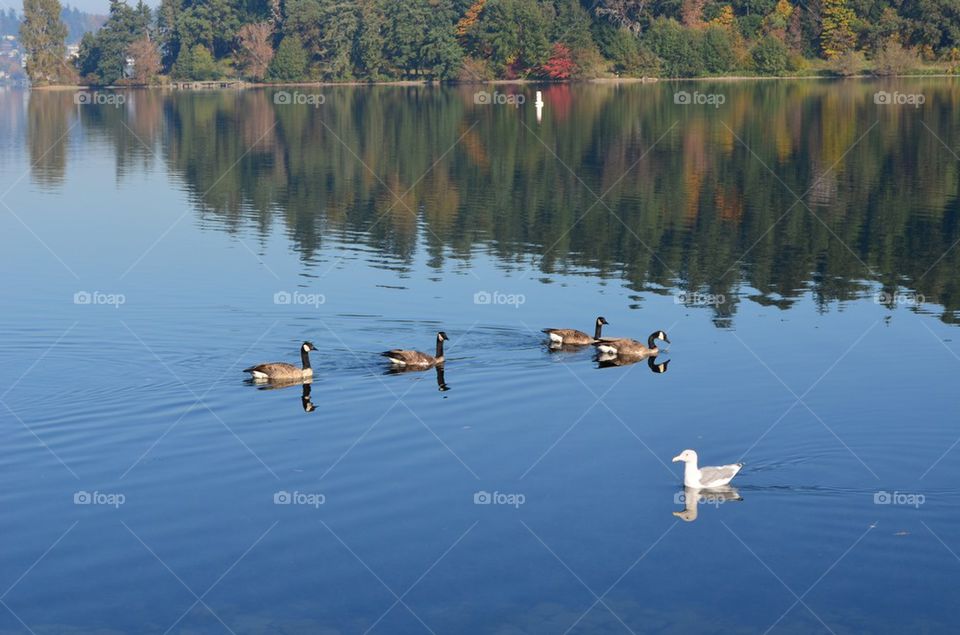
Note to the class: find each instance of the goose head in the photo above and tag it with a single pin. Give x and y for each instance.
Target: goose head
(307, 347)
(442, 337)
(602, 321)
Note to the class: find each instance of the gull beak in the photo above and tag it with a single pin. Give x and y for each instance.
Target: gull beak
(677, 459)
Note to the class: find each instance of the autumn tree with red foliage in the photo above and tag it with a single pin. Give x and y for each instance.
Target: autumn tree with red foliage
(561, 64)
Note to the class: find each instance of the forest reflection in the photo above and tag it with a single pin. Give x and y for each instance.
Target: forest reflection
(788, 187)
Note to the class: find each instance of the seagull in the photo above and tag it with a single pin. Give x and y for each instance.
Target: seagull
(705, 477)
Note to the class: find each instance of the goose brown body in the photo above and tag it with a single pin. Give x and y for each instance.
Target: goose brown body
(417, 359)
(281, 371)
(626, 347)
(573, 337)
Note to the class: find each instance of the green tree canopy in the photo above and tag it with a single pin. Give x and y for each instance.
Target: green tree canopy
(290, 62)
(103, 56)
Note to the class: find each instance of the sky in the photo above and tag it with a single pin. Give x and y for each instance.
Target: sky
(90, 6)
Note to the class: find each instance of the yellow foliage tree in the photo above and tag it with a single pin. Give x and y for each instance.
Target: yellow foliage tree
(470, 18)
(775, 23)
(836, 36)
(725, 18)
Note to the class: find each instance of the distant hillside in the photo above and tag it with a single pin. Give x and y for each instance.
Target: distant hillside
(9, 22)
(78, 22)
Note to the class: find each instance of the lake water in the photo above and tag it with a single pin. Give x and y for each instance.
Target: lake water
(797, 240)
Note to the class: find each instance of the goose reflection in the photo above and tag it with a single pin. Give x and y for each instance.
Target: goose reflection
(440, 370)
(441, 380)
(612, 360)
(691, 499)
(305, 399)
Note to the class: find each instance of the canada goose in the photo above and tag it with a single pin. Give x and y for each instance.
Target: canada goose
(280, 371)
(573, 337)
(416, 359)
(705, 477)
(631, 348)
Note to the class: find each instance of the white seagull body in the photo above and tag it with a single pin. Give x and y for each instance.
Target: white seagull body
(705, 477)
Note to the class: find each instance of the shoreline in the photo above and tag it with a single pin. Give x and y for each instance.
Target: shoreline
(243, 85)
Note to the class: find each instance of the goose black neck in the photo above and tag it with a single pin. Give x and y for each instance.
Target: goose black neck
(596, 331)
(439, 348)
(305, 358)
(652, 341)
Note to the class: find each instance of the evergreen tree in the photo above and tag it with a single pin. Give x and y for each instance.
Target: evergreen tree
(512, 34)
(341, 22)
(290, 62)
(369, 60)
(212, 23)
(103, 56)
(196, 64)
(420, 39)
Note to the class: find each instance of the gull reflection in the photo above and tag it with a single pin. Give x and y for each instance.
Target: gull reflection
(691, 499)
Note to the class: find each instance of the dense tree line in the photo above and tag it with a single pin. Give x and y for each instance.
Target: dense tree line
(338, 40)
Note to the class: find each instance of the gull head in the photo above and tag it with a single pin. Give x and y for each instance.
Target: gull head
(686, 456)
